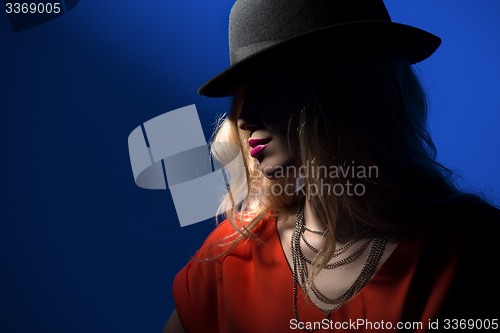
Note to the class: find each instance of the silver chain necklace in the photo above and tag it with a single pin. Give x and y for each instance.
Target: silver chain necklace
(300, 270)
(364, 232)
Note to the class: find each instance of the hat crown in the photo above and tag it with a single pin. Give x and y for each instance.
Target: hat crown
(305, 35)
(258, 24)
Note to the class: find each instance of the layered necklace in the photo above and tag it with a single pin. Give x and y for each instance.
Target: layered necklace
(300, 262)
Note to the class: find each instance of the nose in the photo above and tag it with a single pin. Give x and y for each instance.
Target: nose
(248, 119)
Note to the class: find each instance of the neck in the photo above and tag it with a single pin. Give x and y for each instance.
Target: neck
(344, 225)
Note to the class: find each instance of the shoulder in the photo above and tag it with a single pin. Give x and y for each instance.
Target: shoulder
(470, 213)
(479, 219)
(472, 234)
(234, 237)
(469, 226)
(458, 256)
(199, 287)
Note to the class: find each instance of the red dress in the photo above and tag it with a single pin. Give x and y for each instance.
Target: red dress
(250, 289)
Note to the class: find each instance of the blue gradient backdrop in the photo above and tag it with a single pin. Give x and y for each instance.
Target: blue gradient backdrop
(82, 248)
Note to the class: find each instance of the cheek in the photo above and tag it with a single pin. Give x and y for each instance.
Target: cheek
(278, 157)
(287, 132)
(281, 122)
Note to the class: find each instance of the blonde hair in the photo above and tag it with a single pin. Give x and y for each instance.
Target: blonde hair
(371, 116)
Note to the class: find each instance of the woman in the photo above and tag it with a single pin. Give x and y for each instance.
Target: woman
(349, 222)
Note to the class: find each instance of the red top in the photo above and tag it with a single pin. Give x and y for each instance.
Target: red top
(249, 289)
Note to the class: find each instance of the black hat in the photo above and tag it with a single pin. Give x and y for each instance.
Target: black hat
(265, 34)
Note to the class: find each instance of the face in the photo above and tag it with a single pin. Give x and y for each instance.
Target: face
(268, 105)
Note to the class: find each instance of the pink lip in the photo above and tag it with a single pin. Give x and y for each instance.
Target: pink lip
(255, 142)
(257, 149)
(258, 145)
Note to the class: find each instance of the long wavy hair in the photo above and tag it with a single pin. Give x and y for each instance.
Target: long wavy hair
(374, 115)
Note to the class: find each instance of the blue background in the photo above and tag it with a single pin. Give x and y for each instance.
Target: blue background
(82, 248)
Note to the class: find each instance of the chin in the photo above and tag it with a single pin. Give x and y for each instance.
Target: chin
(274, 169)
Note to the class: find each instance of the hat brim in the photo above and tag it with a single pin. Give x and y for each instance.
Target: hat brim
(342, 41)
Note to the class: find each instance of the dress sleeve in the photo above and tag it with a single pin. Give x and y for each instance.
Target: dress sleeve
(196, 287)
